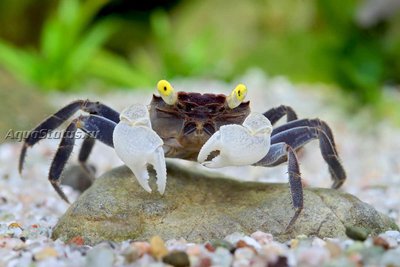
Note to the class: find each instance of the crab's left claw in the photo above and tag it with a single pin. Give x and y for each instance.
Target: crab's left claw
(238, 144)
(137, 145)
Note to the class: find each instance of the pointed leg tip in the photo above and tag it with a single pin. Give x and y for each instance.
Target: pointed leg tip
(20, 170)
(296, 215)
(22, 157)
(61, 193)
(337, 184)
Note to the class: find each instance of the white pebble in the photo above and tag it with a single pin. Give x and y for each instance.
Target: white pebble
(221, 257)
(314, 256)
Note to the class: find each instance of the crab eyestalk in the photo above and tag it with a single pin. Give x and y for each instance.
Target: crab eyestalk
(237, 96)
(167, 92)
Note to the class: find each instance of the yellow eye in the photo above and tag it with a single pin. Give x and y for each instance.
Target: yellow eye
(167, 92)
(240, 91)
(237, 96)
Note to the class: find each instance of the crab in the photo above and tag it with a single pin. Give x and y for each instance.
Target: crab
(214, 129)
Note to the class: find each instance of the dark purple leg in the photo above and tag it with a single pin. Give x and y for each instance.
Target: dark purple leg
(54, 121)
(274, 156)
(275, 114)
(97, 127)
(300, 135)
(86, 149)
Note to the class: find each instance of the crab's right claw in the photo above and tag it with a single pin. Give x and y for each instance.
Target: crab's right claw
(137, 145)
(213, 144)
(238, 145)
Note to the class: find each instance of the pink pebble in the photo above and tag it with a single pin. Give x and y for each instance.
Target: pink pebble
(262, 238)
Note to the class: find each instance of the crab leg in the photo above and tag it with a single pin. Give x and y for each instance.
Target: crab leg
(96, 126)
(297, 137)
(275, 114)
(274, 156)
(84, 152)
(55, 120)
(317, 123)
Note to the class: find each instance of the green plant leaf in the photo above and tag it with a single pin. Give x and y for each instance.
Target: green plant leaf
(88, 46)
(116, 70)
(19, 62)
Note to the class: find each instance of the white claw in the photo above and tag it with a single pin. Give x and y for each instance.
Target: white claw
(158, 162)
(238, 144)
(137, 145)
(212, 144)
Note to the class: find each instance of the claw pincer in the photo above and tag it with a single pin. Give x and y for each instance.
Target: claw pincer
(137, 145)
(237, 144)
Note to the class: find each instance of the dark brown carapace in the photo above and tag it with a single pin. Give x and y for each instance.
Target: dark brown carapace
(189, 123)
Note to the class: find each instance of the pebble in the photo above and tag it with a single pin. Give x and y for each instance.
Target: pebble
(271, 252)
(177, 259)
(236, 237)
(381, 242)
(293, 243)
(318, 242)
(130, 254)
(221, 257)
(393, 234)
(77, 240)
(176, 244)
(333, 248)
(100, 256)
(157, 247)
(390, 240)
(194, 250)
(220, 243)
(45, 253)
(262, 238)
(142, 247)
(391, 258)
(357, 233)
(243, 256)
(313, 256)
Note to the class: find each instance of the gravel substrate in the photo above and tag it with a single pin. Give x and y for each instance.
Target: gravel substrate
(370, 151)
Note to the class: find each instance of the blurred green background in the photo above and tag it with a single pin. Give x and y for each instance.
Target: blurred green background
(67, 45)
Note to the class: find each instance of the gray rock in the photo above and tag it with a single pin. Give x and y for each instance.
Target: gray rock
(199, 207)
(78, 178)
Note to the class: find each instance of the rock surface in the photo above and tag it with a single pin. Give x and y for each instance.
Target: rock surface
(199, 207)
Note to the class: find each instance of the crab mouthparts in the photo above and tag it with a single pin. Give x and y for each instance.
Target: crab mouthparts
(199, 129)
